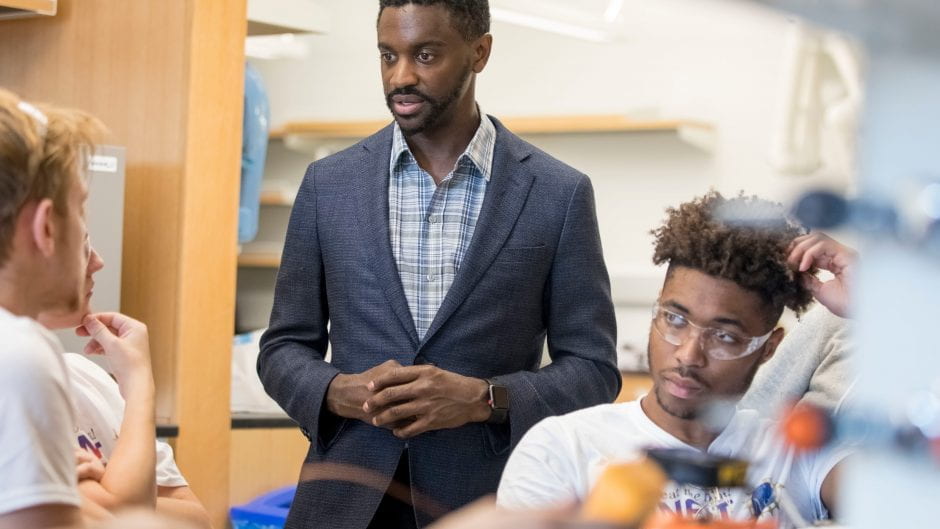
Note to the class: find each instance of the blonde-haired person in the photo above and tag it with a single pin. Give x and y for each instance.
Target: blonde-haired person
(114, 421)
(43, 260)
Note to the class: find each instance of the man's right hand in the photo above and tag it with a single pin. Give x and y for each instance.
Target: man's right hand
(126, 344)
(347, 393)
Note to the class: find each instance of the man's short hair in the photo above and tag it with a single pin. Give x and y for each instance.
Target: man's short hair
(470, 17)
(42, 149)
(744, 239)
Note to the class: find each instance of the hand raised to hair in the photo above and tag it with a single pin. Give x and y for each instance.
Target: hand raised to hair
(817, 250)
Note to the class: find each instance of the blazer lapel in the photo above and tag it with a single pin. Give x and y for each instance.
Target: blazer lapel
(505, 196)
(372, 203)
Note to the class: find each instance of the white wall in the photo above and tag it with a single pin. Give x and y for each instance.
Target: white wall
(718, 61)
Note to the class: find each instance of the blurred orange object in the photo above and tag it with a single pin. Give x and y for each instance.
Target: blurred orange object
(625, 494)
(672, 521)
(807, 427)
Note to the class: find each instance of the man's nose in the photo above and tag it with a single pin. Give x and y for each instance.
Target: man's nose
(403, 74)
(691, 353)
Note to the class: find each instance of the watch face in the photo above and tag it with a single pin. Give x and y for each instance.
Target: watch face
(499, 395)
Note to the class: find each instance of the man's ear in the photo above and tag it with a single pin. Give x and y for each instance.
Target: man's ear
(481, 52)
(43, 226)
(771, 346)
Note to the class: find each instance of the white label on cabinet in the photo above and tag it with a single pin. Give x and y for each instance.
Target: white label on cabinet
(103, 164)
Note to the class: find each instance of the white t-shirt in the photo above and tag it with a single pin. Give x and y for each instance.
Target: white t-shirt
(99, 410)
(37, 459)
(560, 459)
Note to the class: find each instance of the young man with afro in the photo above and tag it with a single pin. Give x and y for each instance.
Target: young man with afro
(714, 324)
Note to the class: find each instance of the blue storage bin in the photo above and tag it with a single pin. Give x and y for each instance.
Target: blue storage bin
(268, 511)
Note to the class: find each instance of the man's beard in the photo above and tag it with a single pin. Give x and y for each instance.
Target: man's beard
(693, 412)
(437, 106)
(686, 414)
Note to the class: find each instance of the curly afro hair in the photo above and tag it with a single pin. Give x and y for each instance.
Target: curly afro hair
(470, 17)
(743, 239)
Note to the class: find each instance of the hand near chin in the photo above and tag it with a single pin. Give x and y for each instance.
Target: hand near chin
(125, 342)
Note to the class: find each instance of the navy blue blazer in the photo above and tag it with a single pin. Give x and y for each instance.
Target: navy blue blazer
(534, 270)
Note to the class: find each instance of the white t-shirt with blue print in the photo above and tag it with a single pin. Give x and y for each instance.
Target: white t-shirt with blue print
(560, 459)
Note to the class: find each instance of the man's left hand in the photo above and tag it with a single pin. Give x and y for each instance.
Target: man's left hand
(412, 400)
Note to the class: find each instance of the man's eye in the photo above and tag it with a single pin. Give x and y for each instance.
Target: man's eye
(675, 320)
(386, 56)
(726, 337)
(425, 57)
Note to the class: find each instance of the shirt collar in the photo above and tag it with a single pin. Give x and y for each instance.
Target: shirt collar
(479, 151)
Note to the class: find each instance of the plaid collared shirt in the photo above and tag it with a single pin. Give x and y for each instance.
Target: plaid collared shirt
(430, 226)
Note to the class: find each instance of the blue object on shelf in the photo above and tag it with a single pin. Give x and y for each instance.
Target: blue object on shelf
(268, 511)
(254, 150)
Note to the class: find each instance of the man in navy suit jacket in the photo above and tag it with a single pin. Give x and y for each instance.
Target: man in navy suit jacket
(434, 258)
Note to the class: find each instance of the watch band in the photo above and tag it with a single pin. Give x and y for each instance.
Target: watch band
(498, 401)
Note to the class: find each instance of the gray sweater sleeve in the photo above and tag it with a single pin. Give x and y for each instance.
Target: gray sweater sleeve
(811, 365)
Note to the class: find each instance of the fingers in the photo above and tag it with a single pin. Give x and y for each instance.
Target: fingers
(388, 364)
(821, 251)
(93, 348)
(818, 255)
(812, 283)
(120, 324)
(400, 415)
(393, 395)
(90, 470)
(799, 258)
(88, 466)
(99, 331)
(418, 427)
(397, 377)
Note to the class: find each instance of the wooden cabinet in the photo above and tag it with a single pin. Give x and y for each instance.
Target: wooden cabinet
(27, 8)
(267, 453)
(635, 385)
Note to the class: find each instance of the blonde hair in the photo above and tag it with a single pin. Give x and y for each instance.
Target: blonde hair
(42, 150)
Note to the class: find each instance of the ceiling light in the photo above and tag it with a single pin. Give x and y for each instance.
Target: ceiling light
(613, 11)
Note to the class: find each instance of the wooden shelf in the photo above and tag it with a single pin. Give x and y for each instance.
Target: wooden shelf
(273, 17)
(259, 260)
(329, 129)
(277, 198)
(697, 133)
(245, 420)
(26, 8)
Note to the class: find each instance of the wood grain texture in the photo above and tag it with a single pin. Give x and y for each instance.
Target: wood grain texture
(265, 459)
(208, 246)
(40, 6)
